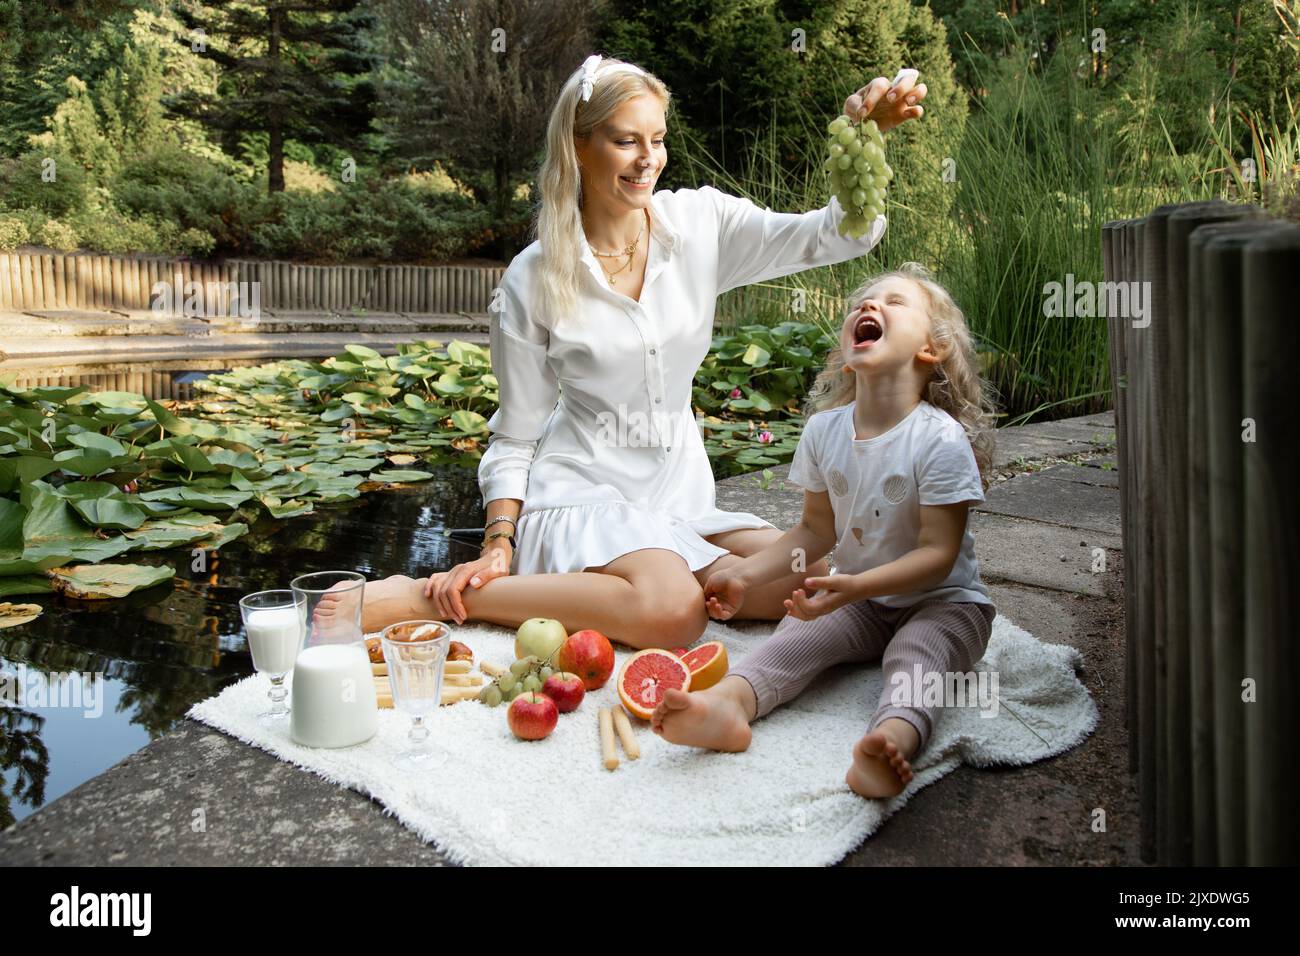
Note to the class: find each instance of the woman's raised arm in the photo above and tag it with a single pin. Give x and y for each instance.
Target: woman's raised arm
(756, 244)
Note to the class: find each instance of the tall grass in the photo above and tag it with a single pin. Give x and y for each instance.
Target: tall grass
(1046, 158)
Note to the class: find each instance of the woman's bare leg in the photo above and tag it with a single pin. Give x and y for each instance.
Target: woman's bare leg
(646, 598)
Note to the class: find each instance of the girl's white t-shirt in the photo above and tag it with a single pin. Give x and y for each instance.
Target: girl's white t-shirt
(877, 486)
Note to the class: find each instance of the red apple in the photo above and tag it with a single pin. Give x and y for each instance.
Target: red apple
(532, 716)
(588, 654)
(567, 690)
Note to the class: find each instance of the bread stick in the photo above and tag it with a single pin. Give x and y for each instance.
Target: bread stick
(492, 670)
(462, 680)
(607, 738)
(449, 667)
(450, 695)
(624, 728)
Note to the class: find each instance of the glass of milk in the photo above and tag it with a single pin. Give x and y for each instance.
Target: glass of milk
(273, 621)
(415, 652)
(334, 702)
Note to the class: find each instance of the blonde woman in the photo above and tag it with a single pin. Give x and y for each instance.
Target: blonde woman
(599, 497)
(891, 463)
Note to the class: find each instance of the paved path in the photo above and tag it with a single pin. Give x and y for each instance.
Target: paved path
(1056, 501)
(38, 340)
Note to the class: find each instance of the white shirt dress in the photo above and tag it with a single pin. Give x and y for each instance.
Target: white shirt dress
(595, 431)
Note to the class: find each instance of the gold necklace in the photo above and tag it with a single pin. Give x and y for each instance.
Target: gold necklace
(630, 252)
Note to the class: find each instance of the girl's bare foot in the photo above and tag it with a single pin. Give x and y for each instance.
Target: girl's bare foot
(880, 760)
(387, 601)
(707, 718)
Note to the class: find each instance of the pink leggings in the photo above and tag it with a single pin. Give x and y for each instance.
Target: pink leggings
(941, 636)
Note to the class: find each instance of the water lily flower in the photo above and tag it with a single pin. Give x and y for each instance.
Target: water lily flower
(735, 393)
(764, 437)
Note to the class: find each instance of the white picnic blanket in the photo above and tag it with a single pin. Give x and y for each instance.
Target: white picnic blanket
(500, 800)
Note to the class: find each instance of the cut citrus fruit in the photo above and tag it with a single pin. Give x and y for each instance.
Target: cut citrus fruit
(646, 676)
(707, 664)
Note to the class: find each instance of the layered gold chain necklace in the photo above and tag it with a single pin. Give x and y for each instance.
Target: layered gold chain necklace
(630, 252)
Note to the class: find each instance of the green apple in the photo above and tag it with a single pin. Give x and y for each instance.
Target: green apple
(539, 636)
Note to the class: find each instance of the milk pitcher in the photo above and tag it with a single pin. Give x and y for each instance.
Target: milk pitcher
(334, 701)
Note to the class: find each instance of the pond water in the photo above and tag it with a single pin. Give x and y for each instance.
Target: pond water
(137, 664)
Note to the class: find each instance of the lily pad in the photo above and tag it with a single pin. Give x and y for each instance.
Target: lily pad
(170, 422)
(110, 513)
(470, 422)
(12, 615)
(398, 475)
(216, 500)
(53, 530)
(97, 442)
(24, 584)
(116, 399)
(103, 581)
(358, 464)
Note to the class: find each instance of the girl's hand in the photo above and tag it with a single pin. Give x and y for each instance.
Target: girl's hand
(724, 593)
(445, 587)
(836, 590)
(889, 105)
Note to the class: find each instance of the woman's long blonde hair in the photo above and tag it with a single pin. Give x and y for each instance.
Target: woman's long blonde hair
(559, 217)
(955, 387)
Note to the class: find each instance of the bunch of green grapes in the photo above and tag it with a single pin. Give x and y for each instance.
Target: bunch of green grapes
(858, 172)
(526, 675)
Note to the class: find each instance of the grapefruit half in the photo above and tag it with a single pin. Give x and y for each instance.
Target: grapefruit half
(646, 676)
(707, 664)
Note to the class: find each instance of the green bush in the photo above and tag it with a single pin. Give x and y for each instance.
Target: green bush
(170, 185)
(389, 221)
(47, 181)
(112, 231)
(13, 233)
(58, 235)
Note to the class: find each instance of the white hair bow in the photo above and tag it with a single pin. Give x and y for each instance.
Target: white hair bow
(590, 74)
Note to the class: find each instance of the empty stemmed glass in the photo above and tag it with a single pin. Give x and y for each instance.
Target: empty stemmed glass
(274, 623)
(415, 652)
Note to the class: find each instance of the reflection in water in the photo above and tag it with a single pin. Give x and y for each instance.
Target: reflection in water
(176, 644)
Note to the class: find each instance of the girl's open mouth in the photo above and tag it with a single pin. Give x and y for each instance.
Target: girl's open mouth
(638, 182)
(866, 332)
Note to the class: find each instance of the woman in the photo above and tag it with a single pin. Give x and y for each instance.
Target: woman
(598, 491)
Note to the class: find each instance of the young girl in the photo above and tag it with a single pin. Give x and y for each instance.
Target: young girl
(891, 464)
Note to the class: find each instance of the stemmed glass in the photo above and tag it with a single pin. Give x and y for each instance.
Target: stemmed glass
(273, 621)
(415, 652)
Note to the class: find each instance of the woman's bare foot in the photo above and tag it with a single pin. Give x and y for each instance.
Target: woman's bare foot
(715, 718)
(387, 601)
(880, 760)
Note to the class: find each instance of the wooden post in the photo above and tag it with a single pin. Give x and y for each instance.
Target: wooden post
(24, 286)
(1221, 364)
(1271, 286)
(59, 291)
(1138, 560)
(1113, 265)
(1189, 597)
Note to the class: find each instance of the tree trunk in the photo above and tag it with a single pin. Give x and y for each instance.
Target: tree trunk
(501, 182)
(1236, 43)
(275, 149)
